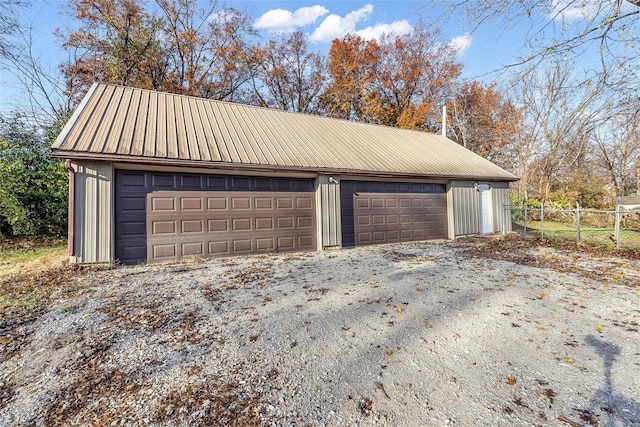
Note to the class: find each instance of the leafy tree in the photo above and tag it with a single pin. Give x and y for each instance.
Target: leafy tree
(176, 47)
(33, 186)
(206, 49)
(396, 81)
(117, 42)
(351, 67)
(483, 120)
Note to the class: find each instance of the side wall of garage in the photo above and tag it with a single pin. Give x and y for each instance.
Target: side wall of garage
(467, 207)
(92, 210)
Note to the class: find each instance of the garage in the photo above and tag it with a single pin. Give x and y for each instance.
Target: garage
(163, 216)
(155, 177)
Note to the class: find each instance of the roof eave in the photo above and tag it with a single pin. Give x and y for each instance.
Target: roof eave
(74, 155)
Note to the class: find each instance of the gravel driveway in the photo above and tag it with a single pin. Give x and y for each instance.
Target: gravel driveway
(464, 333)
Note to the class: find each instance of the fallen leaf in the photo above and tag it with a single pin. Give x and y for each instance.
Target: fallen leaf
(5, 340)
(112, 294)
(399, 310)
(569, 360)
(511, 381)
(599, 328)
(389, 352)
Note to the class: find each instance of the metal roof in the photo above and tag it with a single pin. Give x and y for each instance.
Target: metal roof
(134, 125)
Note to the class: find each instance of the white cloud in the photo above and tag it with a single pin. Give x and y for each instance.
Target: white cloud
(461, 43)
(335, 26)
(285, 21)
(399, 28)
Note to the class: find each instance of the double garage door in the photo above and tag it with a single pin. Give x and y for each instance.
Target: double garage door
(163, 216)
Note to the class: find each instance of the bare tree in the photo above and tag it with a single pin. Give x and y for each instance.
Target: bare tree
(618, 143)
(287, 76)
(9, 24)
(46, 101)
(567, 29)
(560, 119)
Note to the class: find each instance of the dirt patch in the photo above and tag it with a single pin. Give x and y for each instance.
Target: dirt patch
(476, 332)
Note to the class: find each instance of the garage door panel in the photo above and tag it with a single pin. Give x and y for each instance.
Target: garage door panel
(216, 203)
(382, 218)
(191, 203)
(238, 203)
(264, 244)
(264, 203)
(219, 247)
(264, 224)
(162, 181)
(217, 225)
(132, 204)
(305, 222)
(163, 203)
(304, 203)
(191, 226)
(193, 249)
(241, 224)
(166, 250)
(242, 245)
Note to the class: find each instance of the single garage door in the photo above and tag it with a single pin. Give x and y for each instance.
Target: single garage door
(386, 218)
(162, 216)
(379, 212)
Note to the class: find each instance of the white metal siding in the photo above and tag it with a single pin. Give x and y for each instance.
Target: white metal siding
(93, 212)
(331, 227)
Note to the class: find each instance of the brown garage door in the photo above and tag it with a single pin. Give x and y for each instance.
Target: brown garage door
(164, 215)
(386, 218)
(227, 223)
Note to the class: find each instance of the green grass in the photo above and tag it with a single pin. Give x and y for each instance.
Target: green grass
(600, 236)
(29, 274)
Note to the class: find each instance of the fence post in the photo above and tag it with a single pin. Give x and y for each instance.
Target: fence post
(525, 219)
(542, 221)
(578, 222)
(617, 228)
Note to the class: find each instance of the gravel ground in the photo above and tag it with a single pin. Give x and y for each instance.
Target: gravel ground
(464, 333)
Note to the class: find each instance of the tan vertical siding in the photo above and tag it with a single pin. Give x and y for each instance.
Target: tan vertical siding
(330, 225)
(466, 205)
(501, 198)
(93, 216)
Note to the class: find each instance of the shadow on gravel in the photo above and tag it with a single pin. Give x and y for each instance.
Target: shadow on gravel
(617, 408)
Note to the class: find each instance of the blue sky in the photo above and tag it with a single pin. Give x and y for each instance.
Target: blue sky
(485, 50)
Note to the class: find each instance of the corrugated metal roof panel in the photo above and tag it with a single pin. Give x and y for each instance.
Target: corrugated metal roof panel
(121, 123)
